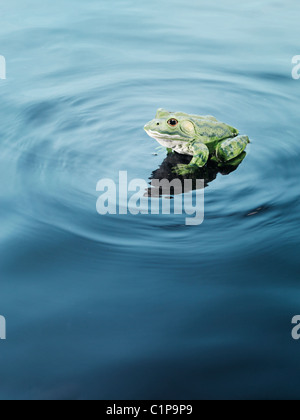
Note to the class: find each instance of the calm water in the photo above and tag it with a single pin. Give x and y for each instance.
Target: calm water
(141, 307)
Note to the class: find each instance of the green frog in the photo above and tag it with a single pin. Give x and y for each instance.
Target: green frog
(202, 137)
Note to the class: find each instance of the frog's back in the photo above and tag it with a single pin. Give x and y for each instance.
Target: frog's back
(211, 131)
(209, 128)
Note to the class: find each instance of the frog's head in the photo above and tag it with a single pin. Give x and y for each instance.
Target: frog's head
(171, 128)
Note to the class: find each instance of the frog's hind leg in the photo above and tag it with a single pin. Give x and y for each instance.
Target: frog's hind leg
(230, 149)
(234, 163)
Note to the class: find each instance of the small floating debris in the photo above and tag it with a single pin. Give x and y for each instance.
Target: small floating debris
(255, 212)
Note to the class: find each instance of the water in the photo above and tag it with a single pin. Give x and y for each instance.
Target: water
(145, 307)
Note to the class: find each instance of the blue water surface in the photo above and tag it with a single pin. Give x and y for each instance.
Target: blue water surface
(145, 307)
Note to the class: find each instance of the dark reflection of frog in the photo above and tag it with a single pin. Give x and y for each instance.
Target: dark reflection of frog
(208, 173)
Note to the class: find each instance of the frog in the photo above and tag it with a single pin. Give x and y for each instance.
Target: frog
(202, 137)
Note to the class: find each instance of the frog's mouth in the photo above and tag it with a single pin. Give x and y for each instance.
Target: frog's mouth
(166, 140)
(161, 136)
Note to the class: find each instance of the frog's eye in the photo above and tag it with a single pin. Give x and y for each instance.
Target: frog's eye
(172, 122)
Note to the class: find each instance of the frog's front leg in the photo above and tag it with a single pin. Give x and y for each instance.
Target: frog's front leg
(200, 158)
